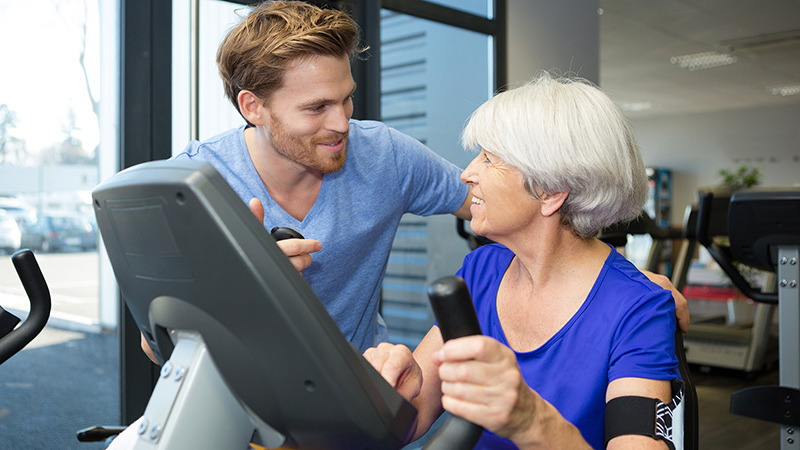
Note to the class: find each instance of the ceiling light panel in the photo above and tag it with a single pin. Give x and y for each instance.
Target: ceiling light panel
(704, 60)
(784, 90)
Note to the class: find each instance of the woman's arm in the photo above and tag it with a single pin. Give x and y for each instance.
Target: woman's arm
(478, 378)
(481, 382)
(640, 387)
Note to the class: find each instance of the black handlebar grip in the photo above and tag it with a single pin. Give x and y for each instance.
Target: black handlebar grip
(703, 218)
(452, 306)
(281, 233)
(455, 314)
(39, 297)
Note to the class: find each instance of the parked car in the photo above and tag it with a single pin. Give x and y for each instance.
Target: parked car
(22, 212)
(54, 232)
(10, 236)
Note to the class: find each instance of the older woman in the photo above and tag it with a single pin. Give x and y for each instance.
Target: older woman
(569, 323)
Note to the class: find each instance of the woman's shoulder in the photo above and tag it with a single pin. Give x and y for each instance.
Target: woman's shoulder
(624, 271)
(624, 280)
(492, 251)
(486, 261)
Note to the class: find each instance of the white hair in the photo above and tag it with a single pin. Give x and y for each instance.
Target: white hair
(566, 135)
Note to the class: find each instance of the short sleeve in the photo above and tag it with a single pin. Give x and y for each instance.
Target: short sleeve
(430, 183)
(644, 343)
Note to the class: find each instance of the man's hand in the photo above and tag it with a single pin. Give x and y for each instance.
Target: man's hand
(298, 250)
(397, 366)
(147, 350)
(681, 305)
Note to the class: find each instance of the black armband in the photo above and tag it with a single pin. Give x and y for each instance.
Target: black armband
(645, 416)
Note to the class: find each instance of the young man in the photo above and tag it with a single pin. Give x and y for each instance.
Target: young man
(342, 183)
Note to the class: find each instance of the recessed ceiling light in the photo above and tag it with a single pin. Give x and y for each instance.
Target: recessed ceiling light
(704, 60)
(784, 90)
(635, 106)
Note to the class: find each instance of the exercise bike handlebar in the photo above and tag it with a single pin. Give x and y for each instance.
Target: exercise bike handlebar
(455, 314)
(39, 297)
(723, 255)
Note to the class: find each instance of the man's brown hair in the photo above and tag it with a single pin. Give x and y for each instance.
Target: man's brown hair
(257, 51)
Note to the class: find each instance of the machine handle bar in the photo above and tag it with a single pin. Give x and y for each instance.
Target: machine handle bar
(722, 255)
(455, 314)
(39, 297)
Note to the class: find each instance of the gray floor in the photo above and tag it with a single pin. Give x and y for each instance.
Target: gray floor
(43, 407)
(721, 430)
(62, 382)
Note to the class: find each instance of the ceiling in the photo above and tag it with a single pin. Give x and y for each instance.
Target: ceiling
(638, 38)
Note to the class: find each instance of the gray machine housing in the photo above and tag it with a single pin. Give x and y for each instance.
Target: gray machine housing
(190, 256)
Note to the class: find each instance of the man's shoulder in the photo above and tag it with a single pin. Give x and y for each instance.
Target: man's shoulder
(373, 129)
(367, 125)
(368, 130)
(215, 147)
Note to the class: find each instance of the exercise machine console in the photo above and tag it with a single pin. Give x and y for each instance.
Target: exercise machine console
(248, 352)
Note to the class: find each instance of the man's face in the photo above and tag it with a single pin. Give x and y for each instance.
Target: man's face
(309, 115)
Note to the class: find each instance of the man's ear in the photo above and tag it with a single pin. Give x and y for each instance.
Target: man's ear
(252, 107)
(551, 203)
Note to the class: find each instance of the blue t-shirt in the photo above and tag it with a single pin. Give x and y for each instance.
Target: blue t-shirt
(355, 216)
(625, 328)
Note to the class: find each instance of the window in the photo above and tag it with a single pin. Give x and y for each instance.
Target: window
(58, 139)
(433, 76)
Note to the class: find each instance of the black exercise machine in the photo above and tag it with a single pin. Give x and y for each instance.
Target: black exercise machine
(249, 353)
(712, 341)
(13, 338)
(764, 232)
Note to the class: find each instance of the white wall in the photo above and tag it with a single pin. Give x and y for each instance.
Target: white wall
(564, 35)
(546, 35)
(696, 146)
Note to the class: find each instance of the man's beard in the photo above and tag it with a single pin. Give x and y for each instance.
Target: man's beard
(304, 150)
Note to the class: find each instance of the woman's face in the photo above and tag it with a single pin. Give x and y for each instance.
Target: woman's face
(501, 205)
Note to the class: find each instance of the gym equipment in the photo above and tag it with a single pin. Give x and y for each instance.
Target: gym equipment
(617, 236)
(98, 433)
(455, 315)
(710, 341)
(13, 340)
(249, 353)
(764, 232)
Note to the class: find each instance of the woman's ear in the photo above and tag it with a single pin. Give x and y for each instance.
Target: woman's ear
(252, 107)
(551, 203)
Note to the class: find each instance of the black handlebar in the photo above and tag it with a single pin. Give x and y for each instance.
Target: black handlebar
(452, 307)
(12, 341)
(722, 255)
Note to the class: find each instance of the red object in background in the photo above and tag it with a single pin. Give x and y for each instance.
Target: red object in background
(711, 292)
